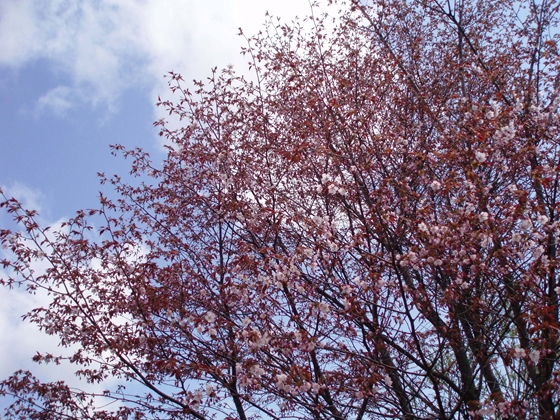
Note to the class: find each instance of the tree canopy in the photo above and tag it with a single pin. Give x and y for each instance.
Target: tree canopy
(366, 229)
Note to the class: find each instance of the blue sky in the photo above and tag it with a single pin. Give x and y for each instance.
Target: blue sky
(79, 75)
(58, 156)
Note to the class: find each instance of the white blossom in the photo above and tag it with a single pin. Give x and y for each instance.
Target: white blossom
(519, 353)
(535, 355)
(257, 371)
(324, 307)
(197, 398)
(538, 251)
(525, 224)
(309, 346)
(260, 341)
(388, 381)
(332, 246)
(210, 317)
(486, 411)
(357, 281)
(280, 379)
(306, 386)
(542, 219)
(480, 156)
(512, 188)
(486, 241)
(435, 186)
(505, 134)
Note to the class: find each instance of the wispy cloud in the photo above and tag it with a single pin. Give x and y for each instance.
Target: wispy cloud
(21, 340)
(29, 198)
(58, 100)
(106, 47)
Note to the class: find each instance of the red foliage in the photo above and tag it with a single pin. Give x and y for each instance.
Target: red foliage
(368, 230)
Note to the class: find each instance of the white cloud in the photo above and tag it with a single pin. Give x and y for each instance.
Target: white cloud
(17, 30)
(21, 340)
(29, 198)
(58, 100)
(105, 47)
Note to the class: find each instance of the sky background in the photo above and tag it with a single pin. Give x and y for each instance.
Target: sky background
(79, 75)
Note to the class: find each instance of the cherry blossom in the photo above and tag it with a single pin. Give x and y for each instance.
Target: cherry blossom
(365, 228)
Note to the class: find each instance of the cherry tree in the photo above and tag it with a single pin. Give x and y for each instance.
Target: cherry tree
(366, 229)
